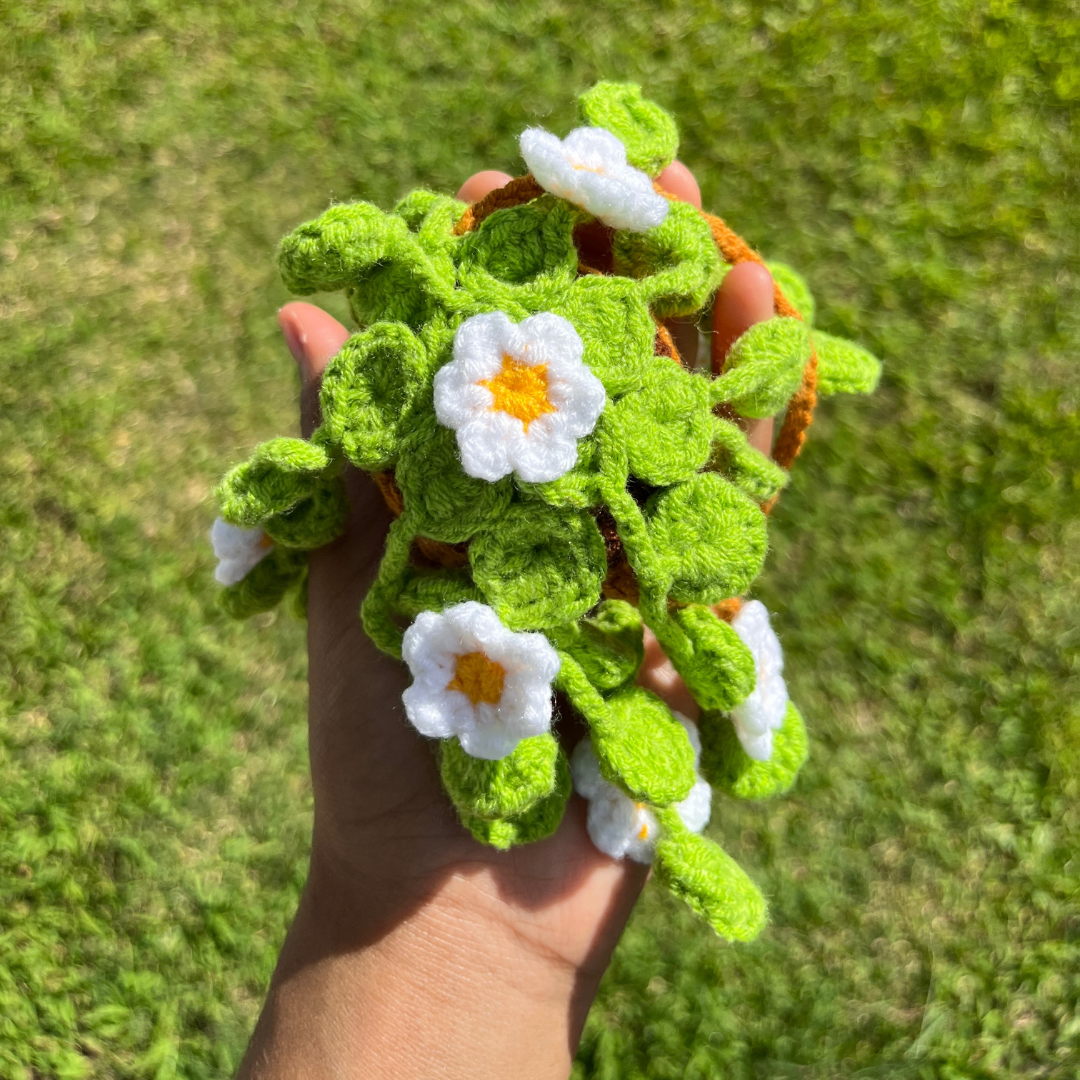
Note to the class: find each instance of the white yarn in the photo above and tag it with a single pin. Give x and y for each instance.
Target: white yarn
(589, 169)
(622, 828)
(763, 711)
(431, 648)
(494, 443)
(238, 550)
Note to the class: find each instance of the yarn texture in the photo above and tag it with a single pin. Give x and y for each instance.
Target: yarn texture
(560, 481)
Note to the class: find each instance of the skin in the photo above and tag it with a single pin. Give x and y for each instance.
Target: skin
(415, 951)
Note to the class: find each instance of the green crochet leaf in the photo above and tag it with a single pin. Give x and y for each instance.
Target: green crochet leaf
(432, 217)
(642, 748)
(616, 329)
(709, 880)
(794, 287)
(536, 823)
(575, 490)
(609, 646)
(666, 425)
(504, 788)
(369, 390)
(710, 538)
(313, 521)
(522, 254)
(265, 584)
(718, 669)
(445, 502)
(434, 590)
(727, 766)
(647, 131)
(539, 567)
(277, 476)
(764, 367)
(754, 474)
(844, 367)
(676, 264)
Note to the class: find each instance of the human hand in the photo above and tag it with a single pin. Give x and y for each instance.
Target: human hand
(417, 951)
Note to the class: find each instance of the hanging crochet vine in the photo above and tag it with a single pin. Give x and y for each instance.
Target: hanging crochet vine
(560, 481)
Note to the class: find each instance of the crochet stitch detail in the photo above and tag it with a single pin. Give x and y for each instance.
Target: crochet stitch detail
(559, 482)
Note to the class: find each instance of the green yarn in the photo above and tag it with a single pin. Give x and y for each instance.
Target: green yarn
(434, 590)
(523, 253)
(647, 131)
(278, 475)
(681, 486)
(504, 788)
(539, 567)
(666, 423)
(368, 392)
(642, 748)
(754, 474)
(718, 668)
(313, 521)
(536, 823)
(793, 286)
(609, 645)
(709, 880)
(265, 585)
(676, 263)
(764, 367)
(844, 367)
(728, 767)
(709, 537)
(616, 329)
(446, 503)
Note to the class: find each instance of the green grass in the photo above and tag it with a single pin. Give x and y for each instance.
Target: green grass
(917, 161)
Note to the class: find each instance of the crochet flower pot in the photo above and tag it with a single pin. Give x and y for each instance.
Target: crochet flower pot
(560, 481)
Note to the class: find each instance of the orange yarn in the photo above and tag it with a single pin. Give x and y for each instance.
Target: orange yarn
(520, 190)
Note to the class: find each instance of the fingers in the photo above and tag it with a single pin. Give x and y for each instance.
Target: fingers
(745, 298)
(658, 674)
(482, 183)
(314, 338)
(679, 181)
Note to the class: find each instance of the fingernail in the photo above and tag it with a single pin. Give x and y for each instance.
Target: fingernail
(292, 339)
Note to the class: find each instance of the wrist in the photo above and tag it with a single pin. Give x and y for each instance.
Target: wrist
(455, 985)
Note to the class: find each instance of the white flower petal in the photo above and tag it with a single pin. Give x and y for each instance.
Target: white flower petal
(238, 551)
(617, 825)
(589, 169)
(763, 710)
(432, 647)
(494, 443)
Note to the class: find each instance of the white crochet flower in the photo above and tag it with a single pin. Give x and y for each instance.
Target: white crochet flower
(762, 713)
(473, 678)
(588, 168)
(238, 550)
(620, 827)
(518, 396)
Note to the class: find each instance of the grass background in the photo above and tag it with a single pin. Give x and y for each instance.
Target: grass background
(918, 161)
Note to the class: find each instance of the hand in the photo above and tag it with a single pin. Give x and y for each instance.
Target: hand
(416, 951)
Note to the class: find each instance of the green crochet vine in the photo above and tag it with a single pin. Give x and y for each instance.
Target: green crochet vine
(584, 486)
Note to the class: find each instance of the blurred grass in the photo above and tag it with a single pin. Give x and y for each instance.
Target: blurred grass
(917, 161)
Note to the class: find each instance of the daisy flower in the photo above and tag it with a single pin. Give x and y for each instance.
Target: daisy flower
(762, 712)
(518, 396)
(473, 678)
(588, 168)
(620, 827)
(238, 550)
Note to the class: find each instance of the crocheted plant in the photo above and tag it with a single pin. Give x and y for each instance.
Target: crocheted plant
(560, 481)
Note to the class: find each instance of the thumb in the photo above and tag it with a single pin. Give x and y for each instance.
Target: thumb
(314, 339)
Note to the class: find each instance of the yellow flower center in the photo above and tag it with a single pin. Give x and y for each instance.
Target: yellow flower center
(588, 168)
(265, 541)
(520, 390)
(479, 678)
(643, 832)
